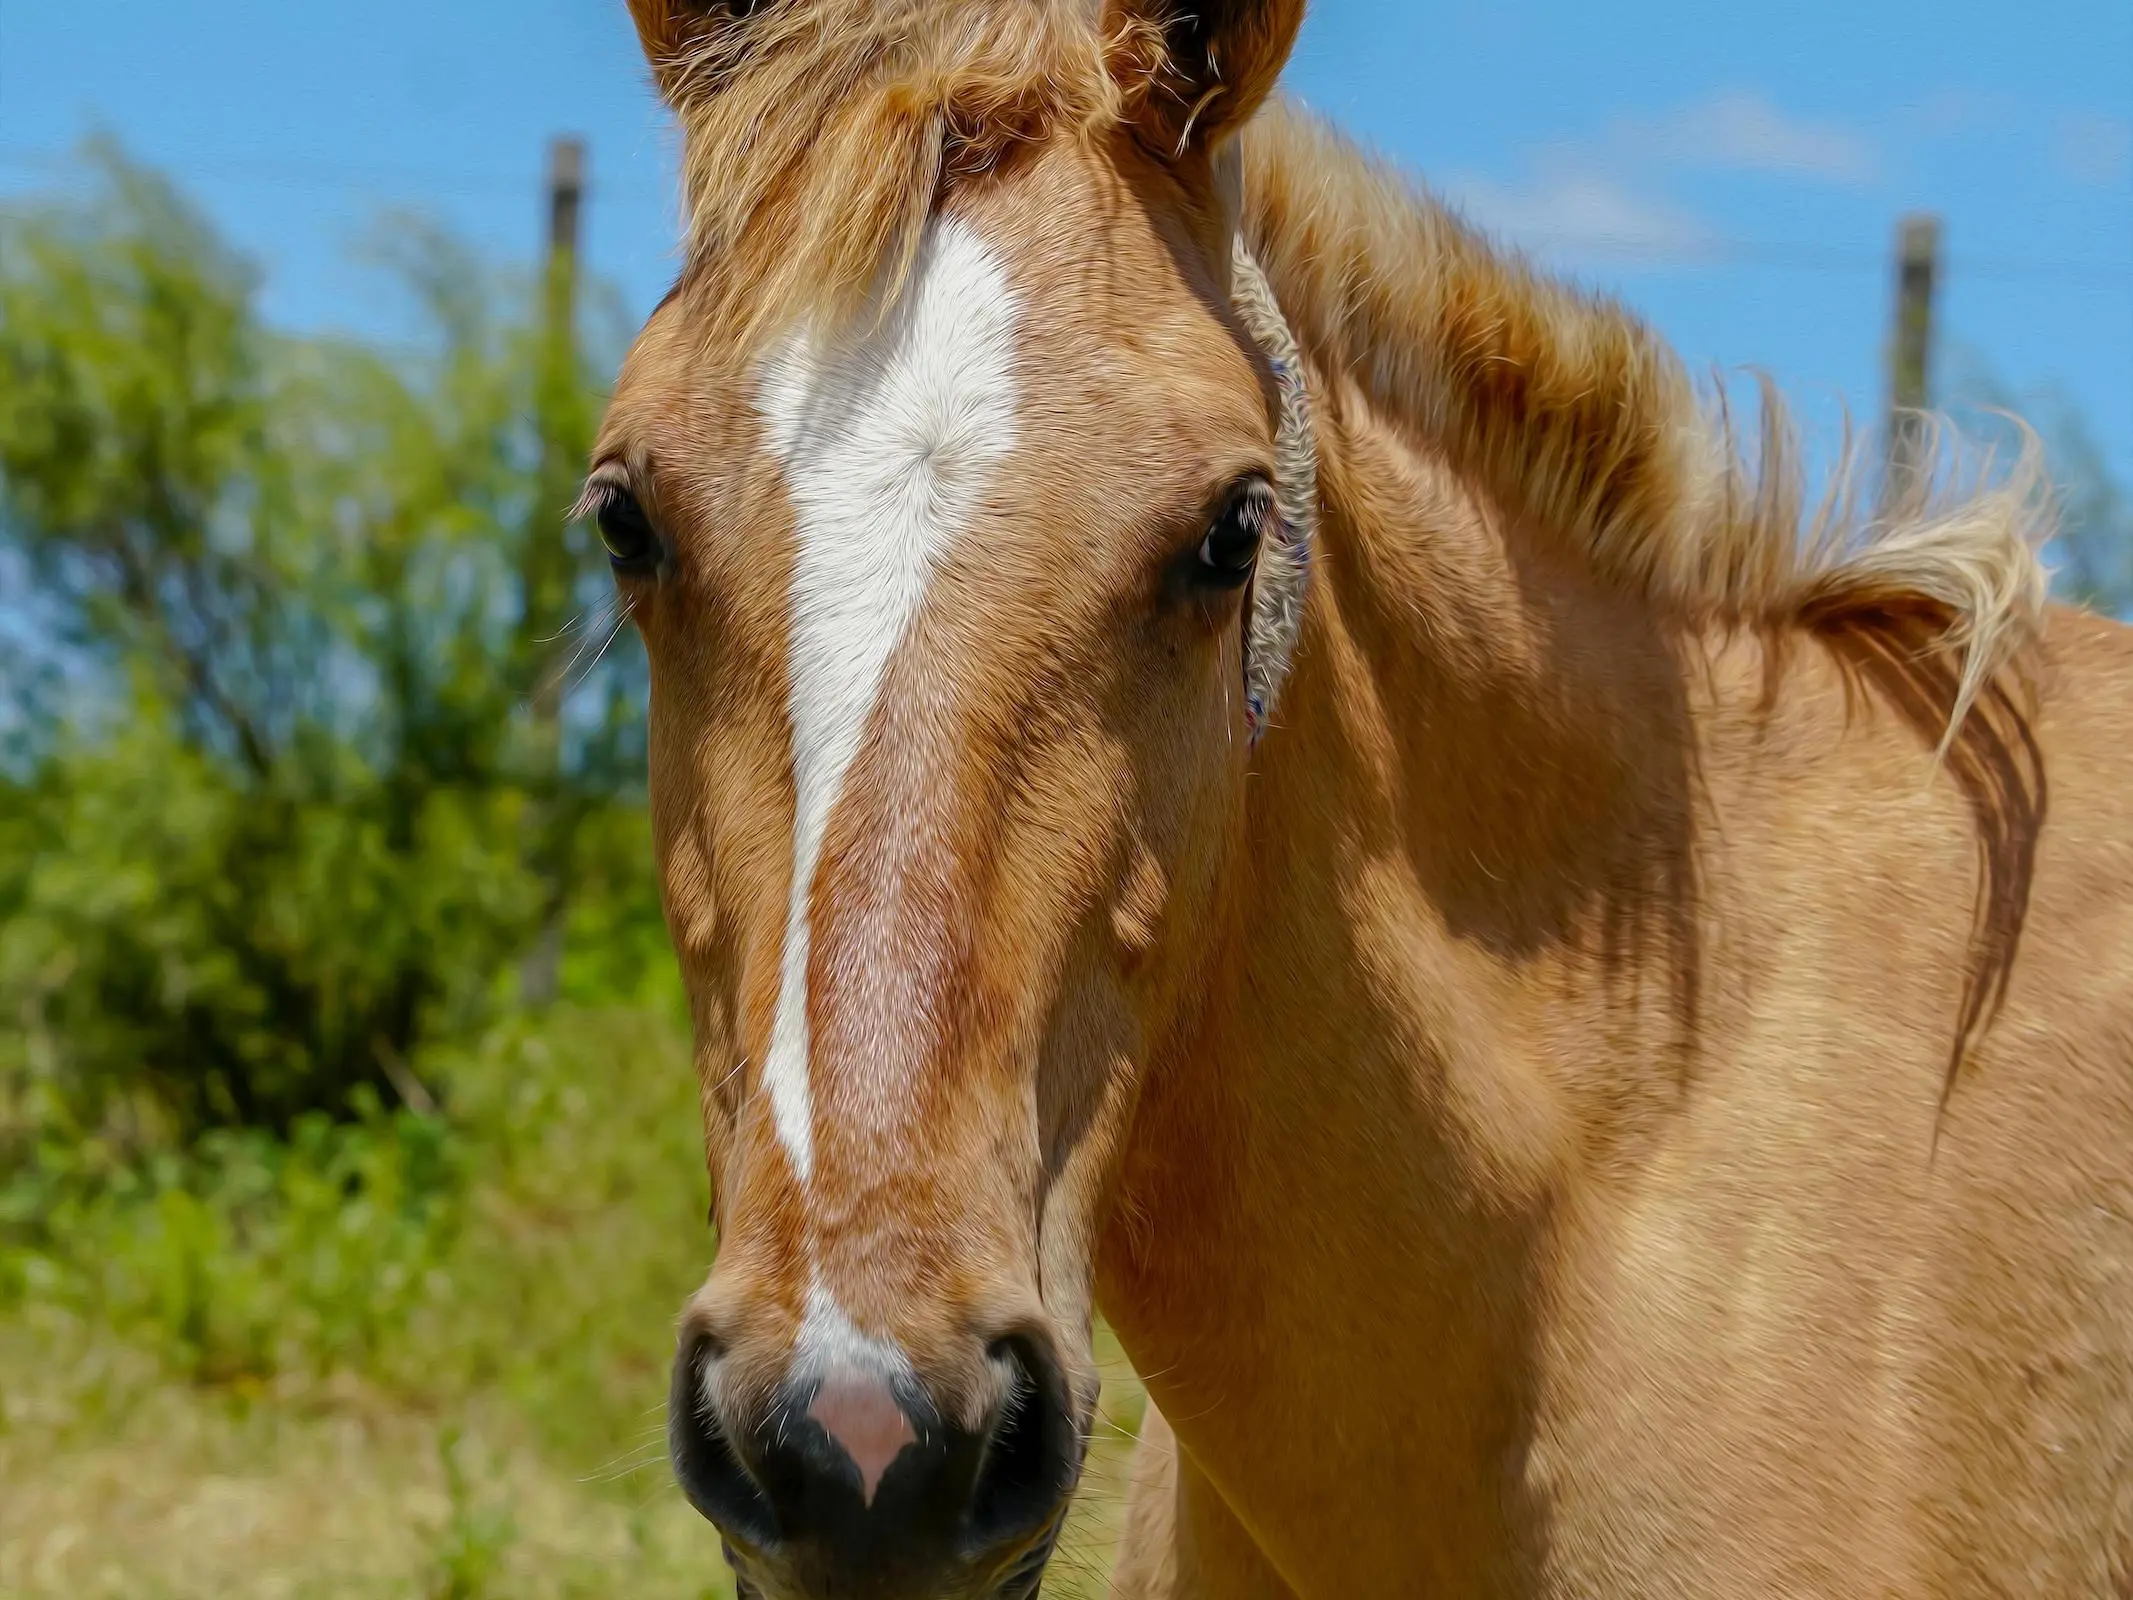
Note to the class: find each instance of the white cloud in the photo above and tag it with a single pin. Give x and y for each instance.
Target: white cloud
(1945, 113)
(1569, 203)
(1608, 195)
(2096, 149)
(1741, 131)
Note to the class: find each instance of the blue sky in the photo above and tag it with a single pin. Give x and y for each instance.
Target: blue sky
(1733, 171)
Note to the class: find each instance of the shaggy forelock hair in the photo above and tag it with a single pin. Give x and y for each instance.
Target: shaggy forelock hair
(818, 134)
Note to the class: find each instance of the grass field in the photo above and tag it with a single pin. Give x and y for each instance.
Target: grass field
(306, 1386)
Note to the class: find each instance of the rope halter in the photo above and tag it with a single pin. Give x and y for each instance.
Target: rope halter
(1284, 572)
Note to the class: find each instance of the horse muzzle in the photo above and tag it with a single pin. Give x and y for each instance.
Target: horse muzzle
(849, 1483)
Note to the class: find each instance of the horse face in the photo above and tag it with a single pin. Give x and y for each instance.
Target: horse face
(943, 601)
(943, 611)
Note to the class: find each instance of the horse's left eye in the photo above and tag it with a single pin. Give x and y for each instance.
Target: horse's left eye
(1230, 548)
(632, 545)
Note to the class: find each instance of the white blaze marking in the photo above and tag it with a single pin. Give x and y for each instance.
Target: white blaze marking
(829, 1345)
(887, 442)
(830, 1342)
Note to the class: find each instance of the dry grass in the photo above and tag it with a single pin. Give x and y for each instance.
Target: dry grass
(119, 1484)
(503, 1443)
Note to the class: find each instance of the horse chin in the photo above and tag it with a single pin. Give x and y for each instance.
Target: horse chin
(1014, 1573)
(1022, 1578)
(1027, 1576)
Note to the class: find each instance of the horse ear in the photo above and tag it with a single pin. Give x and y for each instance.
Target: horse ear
(1220, 60)
(676, 32)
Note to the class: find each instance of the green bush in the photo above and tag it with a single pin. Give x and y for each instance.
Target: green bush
(291, 793)
(540, 1239)
(249, 1256)
(183, 951)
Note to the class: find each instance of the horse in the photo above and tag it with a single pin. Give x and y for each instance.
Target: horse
(1224, 750)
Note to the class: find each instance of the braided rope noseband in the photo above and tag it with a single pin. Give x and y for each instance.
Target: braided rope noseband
(1284, 573)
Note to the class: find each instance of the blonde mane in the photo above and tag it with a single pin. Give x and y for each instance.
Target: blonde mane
(819, 137)
(1573, 414)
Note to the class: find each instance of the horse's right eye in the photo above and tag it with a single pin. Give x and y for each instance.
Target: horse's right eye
(633, 546)
(1230, 550)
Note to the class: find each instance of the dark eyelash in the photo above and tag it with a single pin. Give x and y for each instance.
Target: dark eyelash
(594, 498)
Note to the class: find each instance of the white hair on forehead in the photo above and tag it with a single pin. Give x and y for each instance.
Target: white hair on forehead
(887, 437)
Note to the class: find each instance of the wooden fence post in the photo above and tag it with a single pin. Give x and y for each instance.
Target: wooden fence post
(1911, 356)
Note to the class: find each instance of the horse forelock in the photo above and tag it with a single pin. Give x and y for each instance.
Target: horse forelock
(819, 139)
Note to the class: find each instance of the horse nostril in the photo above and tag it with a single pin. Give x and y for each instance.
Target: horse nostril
(1034, 1454)
(708, 1468)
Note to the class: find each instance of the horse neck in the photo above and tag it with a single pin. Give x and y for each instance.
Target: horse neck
(1456, 962)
